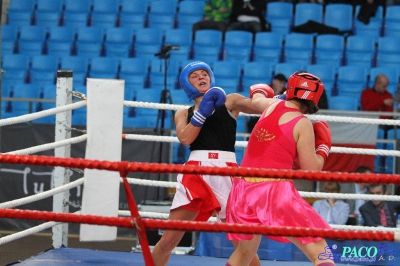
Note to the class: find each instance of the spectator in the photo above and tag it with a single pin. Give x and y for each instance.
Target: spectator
(356, 188)
(248, 15)
(378, 98)
(333, 211)
(279, 87)
(216, 15)
(379, 212)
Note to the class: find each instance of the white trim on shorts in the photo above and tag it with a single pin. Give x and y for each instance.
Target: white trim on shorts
(210, 155)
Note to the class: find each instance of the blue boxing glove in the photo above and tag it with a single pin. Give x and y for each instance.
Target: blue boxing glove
(213, 98)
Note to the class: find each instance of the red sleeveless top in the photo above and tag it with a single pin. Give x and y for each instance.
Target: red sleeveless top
(272, 145)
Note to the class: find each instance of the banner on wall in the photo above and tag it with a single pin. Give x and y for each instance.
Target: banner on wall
(19, 181)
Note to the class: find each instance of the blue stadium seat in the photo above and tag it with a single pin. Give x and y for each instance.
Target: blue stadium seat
(148, 42)
(157, 73)
(227, 75)
(257, 72)
(26, 91)
(360, 50)
(60, 40)
(79, 66)
(280, 15)
(119, 42)
(22, 18)
(17, 6)
(47, 19)
(49, 6)
(134, 21)
(89, 41)
(76, 20)
(9, 36)
(392, 73)
(299, 48)
(373, 28)
(351, 80)
(288, 69)
(191, 7)
(104, 20)
(49, 91)
(268, 47)
(339, 16)
(308, 11)
(32, 40)
(161, 21)
(105, 6)
(190, 12)
(238, 46)
(104, 67)
(182, 38)
(134, 71)
(81, 6)
(346, 103)
(329, 49)
(207, 44)
(165, 7)
(392, 28)
(15, 68)
(44, 70)
(392, 13)
(134, 7)
(179, 97)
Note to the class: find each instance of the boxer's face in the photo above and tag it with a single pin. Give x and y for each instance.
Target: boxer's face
(200, 80)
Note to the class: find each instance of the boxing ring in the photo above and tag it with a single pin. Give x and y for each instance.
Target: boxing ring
(104, 172)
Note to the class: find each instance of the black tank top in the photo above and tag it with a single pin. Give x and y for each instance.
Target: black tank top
(217, 133)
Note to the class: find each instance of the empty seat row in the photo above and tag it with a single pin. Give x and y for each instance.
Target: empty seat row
(164, 14)
(206, 45)
(285, 16)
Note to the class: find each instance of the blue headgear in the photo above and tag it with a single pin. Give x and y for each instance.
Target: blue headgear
(191, 91)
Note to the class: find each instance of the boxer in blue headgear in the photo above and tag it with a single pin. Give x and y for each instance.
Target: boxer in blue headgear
(209, 128)
(191, 91)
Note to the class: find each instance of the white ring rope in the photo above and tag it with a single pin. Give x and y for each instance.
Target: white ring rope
(374, 121)
(242, 143)
(40, 114)
(164, 216)
(50, 146)
(27, 232)
(40, 196)
(304, 194)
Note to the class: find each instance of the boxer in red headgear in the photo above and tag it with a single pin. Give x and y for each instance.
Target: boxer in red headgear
(209, 128)
(281, 135)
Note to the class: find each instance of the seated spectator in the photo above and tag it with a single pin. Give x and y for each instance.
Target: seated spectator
(379, 212)
(333, 211)
(248, 15)
(216, 15)
(378, 98)
(356, 188)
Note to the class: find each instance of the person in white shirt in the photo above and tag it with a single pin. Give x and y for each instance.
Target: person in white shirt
(356, 188)
(333, 211)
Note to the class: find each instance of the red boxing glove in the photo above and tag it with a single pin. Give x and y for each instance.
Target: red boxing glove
(264, 89)
(323, 140)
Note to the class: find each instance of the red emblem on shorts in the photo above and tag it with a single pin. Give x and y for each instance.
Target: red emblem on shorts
(213, 155)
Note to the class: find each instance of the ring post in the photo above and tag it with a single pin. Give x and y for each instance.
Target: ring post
(62, 174)
(105, 103)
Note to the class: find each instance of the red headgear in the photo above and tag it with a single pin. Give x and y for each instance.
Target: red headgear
(305, 86)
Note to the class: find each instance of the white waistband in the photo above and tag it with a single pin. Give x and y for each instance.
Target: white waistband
(222, 156)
